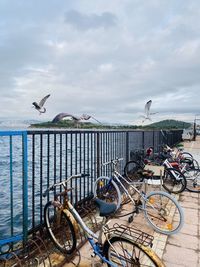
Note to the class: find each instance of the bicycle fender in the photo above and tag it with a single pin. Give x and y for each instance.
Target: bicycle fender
(73, 221)
(152, 254)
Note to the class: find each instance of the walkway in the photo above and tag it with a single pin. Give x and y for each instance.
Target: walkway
(180, 250)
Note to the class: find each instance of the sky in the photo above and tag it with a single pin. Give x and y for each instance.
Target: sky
(103, 58)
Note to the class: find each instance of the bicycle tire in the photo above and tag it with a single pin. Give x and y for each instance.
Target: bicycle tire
(159, 209)
(60, 229)
(132, 253)
(186, 155)
(131, 171)
(193, 180)
(171, 184)
(107, 190)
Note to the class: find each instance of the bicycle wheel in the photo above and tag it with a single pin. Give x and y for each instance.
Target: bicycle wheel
(59, 228)
(174, 181)
(124, 252)
(186, 155)
(131, 171)
(159, 209)
(193, 180)
(107, 190)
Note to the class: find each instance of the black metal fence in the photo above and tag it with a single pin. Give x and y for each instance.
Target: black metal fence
(54, 155)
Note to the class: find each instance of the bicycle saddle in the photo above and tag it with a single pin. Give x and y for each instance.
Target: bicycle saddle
(105, 209)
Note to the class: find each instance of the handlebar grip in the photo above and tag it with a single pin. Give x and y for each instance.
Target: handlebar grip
(47, 190)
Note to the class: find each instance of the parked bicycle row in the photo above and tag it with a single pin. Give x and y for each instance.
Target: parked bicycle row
(122, 245)
(181, 169)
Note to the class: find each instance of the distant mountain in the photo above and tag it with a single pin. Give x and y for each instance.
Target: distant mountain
(168, 124)
(165, 124)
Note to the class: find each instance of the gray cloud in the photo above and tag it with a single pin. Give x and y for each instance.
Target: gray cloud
(90, 21)
(107, 58)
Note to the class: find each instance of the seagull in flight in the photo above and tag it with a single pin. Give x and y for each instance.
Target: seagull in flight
(76, 119)
(40, 106)
(147, 111)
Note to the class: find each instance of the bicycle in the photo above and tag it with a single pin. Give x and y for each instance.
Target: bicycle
(123, 246)
(158, 206)
(173, 180)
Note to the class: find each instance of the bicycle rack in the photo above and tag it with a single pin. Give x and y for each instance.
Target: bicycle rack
(33, 253)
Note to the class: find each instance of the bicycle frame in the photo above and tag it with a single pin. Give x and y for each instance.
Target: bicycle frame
(116, 175)
(167, 164)
(76, 220)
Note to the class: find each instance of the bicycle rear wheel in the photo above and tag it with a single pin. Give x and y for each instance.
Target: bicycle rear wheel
(159, 209)
(174, 181)
(107, 190)
(124, 252)
(193, 180)
(59, 228)
(131, 171)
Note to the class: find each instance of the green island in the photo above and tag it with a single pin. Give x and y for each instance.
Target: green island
(68, 124)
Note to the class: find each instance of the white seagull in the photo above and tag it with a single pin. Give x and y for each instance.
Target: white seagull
(39, 106)
(147, 111)
(76, 119)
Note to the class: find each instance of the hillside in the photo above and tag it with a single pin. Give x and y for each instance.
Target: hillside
(168, 124)
(165, 124)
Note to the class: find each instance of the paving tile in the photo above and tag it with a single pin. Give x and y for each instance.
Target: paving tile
(189, 229)
(182, 256)
(184, 240)
(169, 264)
(188, 199)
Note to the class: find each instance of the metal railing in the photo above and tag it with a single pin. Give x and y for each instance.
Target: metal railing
(36, 159)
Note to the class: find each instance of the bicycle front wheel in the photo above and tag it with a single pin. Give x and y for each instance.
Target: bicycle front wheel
(59, 228)
(174, 181)
(107, 190)
(159, 210)
(124, 252)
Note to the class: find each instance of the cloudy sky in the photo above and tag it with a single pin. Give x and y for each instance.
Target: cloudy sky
(104, 58)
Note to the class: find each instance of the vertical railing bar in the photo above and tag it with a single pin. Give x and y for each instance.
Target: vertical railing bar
(25, 185)
(33, 181)
(54, 165)
(91, 162)
(88, 159)
(60, 157)
(84, 151)
(71, 162)
(80, 166)
(76, 184)
(66, 155)
(48, 162)
(41, 175)
(11, 184)
(98, 154)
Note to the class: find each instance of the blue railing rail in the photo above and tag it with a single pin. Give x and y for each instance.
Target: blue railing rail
(9, 196)
(49, 156)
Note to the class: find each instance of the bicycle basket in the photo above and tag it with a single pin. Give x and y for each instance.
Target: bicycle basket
(130, 233)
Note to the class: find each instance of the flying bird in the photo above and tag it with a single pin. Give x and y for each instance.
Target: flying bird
(147, 111)
(76, 119)
(40, 106)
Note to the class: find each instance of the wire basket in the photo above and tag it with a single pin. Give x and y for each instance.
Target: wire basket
(131, 233)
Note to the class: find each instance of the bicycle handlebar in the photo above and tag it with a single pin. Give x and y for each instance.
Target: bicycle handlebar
(52, 187)
(114, 161)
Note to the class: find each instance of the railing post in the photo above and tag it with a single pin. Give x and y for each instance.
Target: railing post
(98, 154)
(127, 146)
(25, 186)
